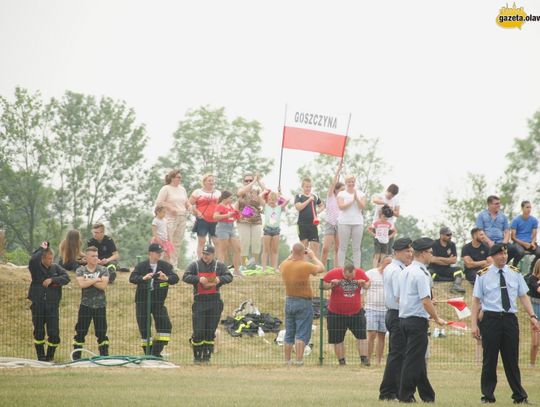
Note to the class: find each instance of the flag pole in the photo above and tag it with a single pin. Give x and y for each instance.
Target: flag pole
(346, 139)
(282, 142)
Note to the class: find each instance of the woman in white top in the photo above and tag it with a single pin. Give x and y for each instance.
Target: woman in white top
(350, 221)
(174, 198)
(332, 212)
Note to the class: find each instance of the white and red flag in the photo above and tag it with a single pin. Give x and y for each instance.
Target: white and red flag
(457, 325)
(460, 306)
(311, 130)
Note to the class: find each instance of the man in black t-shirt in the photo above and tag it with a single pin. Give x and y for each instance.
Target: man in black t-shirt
(107, 252)
(443, 263)
(307, 204)
(475, 254)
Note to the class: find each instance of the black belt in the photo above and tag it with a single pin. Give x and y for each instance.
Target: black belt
(499, 314)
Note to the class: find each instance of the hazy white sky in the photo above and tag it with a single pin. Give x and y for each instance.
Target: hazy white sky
(444, 88)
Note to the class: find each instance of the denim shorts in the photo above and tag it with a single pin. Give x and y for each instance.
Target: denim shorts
(536, 309)
(271, 231)
(298, 319)
(225, 230)
(205, 228)
(375, 320)
(330, 230)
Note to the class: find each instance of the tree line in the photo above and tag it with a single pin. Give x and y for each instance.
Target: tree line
(69, 162)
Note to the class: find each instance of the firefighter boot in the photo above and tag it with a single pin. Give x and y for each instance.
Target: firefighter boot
(197, 354)
(207, 352)
(76, 355)
(157, 348)
(103, 350)
(457, 288)
(40, 351)
(50, 353)
(147, 350)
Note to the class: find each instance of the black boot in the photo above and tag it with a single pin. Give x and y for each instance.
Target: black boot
(157, 348)
(207, 352)
(40, 351)
(197, 354)
(77, 355)
(147, 350)
(50, 353)
(103, 350)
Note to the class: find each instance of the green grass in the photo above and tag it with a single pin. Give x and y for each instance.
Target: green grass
(240, 386)
(266, 291)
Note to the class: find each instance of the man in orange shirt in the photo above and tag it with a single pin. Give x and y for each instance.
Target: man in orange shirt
(295, 272)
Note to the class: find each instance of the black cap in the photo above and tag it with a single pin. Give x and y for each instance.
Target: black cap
(445, 230)
(154, 247)
(496, 248)
(208, 249)
(423, 243)
(402, 243)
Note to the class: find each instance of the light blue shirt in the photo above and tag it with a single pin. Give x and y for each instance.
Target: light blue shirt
(414, 286)
(494, 228)
(487, 288)
(391, 284)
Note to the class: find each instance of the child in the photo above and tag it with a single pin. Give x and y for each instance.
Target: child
(159, 232)
(93, 279)
(272, 219)
(382, 231)
(225, 215)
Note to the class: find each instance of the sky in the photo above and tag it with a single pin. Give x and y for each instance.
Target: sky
(444, 88)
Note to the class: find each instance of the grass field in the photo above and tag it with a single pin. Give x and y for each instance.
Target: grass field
(239, 386)
(266, 291)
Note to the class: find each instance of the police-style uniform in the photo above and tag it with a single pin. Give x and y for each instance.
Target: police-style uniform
(396, 345)
(498, 289)
(45, 304)
(414, 286)
(158, 293)
(207, 303)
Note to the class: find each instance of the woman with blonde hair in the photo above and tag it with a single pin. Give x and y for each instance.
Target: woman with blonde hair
(70, 251)
(534, 292)
(173, 197)
(204, 201)
(350, 220)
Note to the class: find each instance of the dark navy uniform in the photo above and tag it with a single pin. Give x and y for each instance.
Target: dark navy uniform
(498, 290)
(396, 344)
(45, 303)
(159, 290)
(415, 285)
(207, 304)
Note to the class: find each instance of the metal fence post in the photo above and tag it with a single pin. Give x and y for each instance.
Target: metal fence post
(321, 322)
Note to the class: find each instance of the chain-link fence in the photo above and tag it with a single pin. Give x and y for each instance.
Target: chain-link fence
(240, 348)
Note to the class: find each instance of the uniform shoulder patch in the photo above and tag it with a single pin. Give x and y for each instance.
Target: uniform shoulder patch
(514, 268)
(482, 272)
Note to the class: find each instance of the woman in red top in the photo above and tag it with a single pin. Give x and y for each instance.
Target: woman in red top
(226, 214)
(204, 201)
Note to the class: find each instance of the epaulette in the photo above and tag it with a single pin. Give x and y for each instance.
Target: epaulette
(514, 268)
(482, 272)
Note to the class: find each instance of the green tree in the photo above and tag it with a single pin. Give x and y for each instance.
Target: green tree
(462, 207)
(25, 159)
(206, 141)
(522, 175)
(100, 152)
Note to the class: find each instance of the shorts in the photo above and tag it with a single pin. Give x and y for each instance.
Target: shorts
(308, 232)
(298, 319)
(379, 247)
(330, 230)
(204, 228)
(225, 230)
(250, 235)
(375, 320)
(271, 231)
(536, 309)
(338, 324)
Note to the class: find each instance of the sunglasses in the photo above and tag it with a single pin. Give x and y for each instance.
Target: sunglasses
(247, 180)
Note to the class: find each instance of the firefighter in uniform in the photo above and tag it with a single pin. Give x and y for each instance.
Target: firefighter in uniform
(45, 293)
(155, 275)
(396, 342)
(206, 275)
(496, 290)
(415, 308)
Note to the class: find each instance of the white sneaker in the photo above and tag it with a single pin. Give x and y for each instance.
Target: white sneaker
(436, 333)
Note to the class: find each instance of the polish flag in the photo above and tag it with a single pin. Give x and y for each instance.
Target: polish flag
(457, 325)
(460, 306)
(315, 131)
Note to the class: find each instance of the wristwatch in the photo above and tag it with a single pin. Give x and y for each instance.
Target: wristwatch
(533, 316)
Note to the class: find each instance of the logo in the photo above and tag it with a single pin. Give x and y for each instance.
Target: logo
(514, 17)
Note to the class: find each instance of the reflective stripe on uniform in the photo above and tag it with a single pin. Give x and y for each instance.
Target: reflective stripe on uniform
(201, 343)
(42, 342)
(458, 273)
(208, 342)
(54, 345)
(103, 343)
(78, 343)
(163, 285)
(144, 342)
